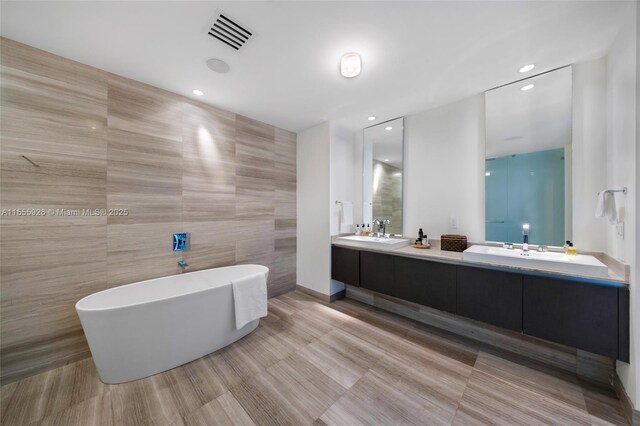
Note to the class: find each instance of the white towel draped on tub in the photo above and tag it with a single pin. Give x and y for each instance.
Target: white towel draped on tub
(606, 207)
(250, 298)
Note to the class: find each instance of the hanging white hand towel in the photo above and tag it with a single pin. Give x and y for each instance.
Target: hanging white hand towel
(250, 298)
(346, 217)
(606, 207)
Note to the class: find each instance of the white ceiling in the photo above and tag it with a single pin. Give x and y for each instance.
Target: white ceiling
(527, 121)
(415, 55)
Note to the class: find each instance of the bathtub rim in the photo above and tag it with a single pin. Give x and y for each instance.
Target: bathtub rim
(81, 309)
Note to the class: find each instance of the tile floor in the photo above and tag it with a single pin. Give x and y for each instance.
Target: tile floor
(343, 363)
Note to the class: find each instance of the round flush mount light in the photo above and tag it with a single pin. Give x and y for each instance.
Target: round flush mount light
(371, 118)
(527, 68)
(197, 92)
(218, 65)
(527, 87)
(350, 65)
(388, 128)
(386, 160)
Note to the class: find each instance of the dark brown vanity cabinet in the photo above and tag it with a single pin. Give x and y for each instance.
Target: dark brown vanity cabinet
(590, 316)
(581, 315)
(376, 272)
(345, 265)
(494, 297)
(427, 283)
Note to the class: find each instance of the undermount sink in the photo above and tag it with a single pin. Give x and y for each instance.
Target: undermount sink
(373, 242)
(580, 264)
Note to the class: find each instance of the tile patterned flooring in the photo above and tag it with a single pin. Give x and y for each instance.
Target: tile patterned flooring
(343, 363)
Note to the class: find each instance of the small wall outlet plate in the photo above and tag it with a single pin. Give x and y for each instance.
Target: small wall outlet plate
(180, 241)
(620, 229)
(453, 222)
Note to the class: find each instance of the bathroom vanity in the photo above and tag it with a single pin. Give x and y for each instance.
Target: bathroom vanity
(584, 312)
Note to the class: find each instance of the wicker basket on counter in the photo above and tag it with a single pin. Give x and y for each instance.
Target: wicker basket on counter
(453, 242)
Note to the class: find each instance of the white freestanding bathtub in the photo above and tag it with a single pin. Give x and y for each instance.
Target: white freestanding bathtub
(141, 329)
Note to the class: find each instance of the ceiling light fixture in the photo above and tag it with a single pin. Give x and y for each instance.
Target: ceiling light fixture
(350, 65)
(388, 128)
(397, 174)
(371, 118)
(527, 87)
(386, 160)
(527, 68)
(197, 92)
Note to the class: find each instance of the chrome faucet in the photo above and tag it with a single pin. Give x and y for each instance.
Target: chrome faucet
(525, 237)
(382, 224)
(183, 265)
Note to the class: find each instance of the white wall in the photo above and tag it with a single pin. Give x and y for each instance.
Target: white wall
(326, 173)
(342, 153)
(444, 170)
(629, 374)
(622, 160)
(313, 228)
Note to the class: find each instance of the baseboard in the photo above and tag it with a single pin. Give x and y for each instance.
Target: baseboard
(591, 367)
(324, 297)
(632, 415)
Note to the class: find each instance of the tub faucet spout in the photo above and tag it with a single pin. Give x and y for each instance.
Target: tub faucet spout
(183, 265)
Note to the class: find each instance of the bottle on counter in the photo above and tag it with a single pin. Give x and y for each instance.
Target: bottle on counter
(357, 229)
(571, 250)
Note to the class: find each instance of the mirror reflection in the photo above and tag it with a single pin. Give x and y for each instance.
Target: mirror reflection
(382, 171)
(528, 160)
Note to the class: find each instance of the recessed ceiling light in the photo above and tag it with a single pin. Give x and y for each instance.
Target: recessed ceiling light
(487, 173)
(386, 160)
(527, 87)
(197, 92)
(397, 174)
(218, 65)
(371, 118)
(350, 65)
(527, 68)
(388, 128)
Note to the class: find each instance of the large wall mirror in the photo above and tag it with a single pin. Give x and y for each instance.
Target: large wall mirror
(382, 171)
(528, 160)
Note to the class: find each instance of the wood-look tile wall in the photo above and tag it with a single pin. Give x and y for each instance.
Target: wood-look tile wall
(100, 141)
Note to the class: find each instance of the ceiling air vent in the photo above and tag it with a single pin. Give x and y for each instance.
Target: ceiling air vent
(230, 33)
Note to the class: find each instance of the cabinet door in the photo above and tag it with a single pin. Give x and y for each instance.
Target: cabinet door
(376, 272)
(428, 283)
(581, 315)
(494, 297)
(623, 324)
(345, 265)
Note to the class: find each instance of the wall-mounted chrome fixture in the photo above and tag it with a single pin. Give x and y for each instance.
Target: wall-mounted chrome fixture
(611, 191)
(180, 241)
